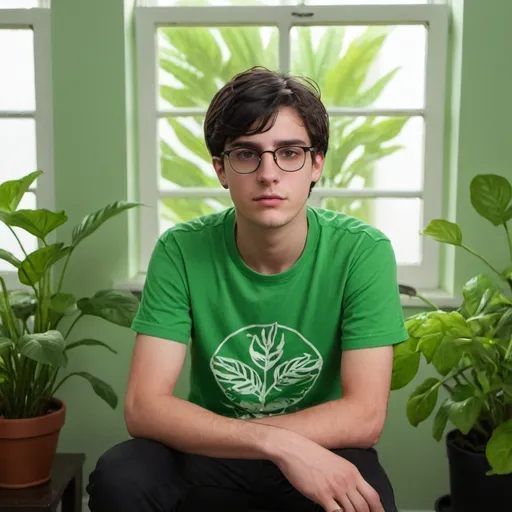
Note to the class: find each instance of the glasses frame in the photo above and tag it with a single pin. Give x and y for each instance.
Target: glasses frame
(306, 149)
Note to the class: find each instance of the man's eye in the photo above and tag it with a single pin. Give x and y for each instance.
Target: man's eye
(246, 155)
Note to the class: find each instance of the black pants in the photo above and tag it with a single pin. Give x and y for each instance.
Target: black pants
(140, 475)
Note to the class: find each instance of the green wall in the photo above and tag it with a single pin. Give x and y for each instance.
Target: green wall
(95, 155)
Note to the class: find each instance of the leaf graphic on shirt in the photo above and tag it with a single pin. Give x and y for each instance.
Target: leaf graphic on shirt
(299, 370)
(239, 377)
(281, 403)
(261, 348)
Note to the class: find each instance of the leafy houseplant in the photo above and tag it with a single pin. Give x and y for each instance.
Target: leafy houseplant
(34, 346)
(470, 348)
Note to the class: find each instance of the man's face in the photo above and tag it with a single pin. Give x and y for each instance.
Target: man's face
(271, 197)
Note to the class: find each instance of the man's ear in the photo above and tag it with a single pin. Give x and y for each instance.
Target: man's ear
(318, 166)
(218, 165)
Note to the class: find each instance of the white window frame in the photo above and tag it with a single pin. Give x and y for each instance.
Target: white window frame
(424, 276)
(39, 20)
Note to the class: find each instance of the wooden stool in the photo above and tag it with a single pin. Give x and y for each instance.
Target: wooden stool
(65, 487)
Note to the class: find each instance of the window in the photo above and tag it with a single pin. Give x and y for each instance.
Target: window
(381, 69)
(25, 112)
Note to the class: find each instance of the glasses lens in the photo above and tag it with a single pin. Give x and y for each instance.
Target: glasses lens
(244, 160)
(290, 158)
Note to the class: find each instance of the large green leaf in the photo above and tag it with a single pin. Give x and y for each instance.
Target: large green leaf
(93, 221)
(116, 306)
(464, 413)
(23, 303)
(444, 231)
(422, 401)
(101, 388)
(89, 342)
(10, 258)
(499, 449)
(63, 303)
(35, 265)
(440, 421)
(490, 197)
(5, 342)
(46, 348)
(37, 222)
(12, 192)
(406, 362)
(473, 292)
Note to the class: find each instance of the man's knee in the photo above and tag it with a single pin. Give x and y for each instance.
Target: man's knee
(129, 472)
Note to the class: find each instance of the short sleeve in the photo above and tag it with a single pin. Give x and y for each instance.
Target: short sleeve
(372, 315)
(164, 310)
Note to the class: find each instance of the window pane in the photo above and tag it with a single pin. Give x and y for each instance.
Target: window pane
(17, 148)
(17, 87)
(363, 66)
(10, 243)
(195, 62)
(174, 210)
(383, 214)
(374, 152)
(184, 159)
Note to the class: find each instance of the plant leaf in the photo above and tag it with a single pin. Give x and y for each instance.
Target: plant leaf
(499, 449)
(90, 342)
(12, 192)
(440, 421)
(5, 342)
(422, 401)
(444, 231)
(63, 303)
(10, 258)
(46, 348)
(473, 292)
(93, 221)
(36, 222)
(23, 303)
(406, 362)
(101, 388)
(116, 306)
(490, 197)
(464, 413)
(35, 265)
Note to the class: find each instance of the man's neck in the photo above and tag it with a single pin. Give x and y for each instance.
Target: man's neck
(271, 251)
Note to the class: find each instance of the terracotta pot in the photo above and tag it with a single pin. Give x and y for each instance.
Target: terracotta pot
(28, 446)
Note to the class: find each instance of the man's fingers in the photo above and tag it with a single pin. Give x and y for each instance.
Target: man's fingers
(346, 505)
(370, 495)
(332, 506)
(358, 501)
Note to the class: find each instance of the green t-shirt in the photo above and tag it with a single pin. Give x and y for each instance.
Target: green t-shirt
(271, 344)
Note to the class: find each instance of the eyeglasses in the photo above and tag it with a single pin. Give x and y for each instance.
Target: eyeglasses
(287, 158)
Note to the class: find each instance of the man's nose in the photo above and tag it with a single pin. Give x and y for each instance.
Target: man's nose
(268, 169)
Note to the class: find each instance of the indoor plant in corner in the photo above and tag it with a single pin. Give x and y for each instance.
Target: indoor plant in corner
(34, 344)
(470, 349)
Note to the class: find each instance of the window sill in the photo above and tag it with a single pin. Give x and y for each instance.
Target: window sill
(440, 298)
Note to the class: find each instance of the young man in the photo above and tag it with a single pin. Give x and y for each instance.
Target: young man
(291, 313)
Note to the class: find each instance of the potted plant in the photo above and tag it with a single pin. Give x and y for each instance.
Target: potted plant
(34, 344)
(470, 349)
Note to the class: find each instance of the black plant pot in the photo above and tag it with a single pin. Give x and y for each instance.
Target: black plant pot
(471, 489)
(444, 504)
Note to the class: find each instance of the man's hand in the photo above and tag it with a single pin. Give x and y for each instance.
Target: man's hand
(325, 478)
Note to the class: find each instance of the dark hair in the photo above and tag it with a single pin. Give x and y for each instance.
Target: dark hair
(250, 100)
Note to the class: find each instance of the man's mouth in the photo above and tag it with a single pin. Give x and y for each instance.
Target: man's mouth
(269, 199)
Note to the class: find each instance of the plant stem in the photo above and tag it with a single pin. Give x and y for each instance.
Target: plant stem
(61, 280)
(509, 240)
(64, 379)
(426, 301)
(18, 240)
(483, 259)
(11, 322)
(509, 350)
(73, 324)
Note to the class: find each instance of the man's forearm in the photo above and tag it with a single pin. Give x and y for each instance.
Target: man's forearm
(190, 428)
(335, 424)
